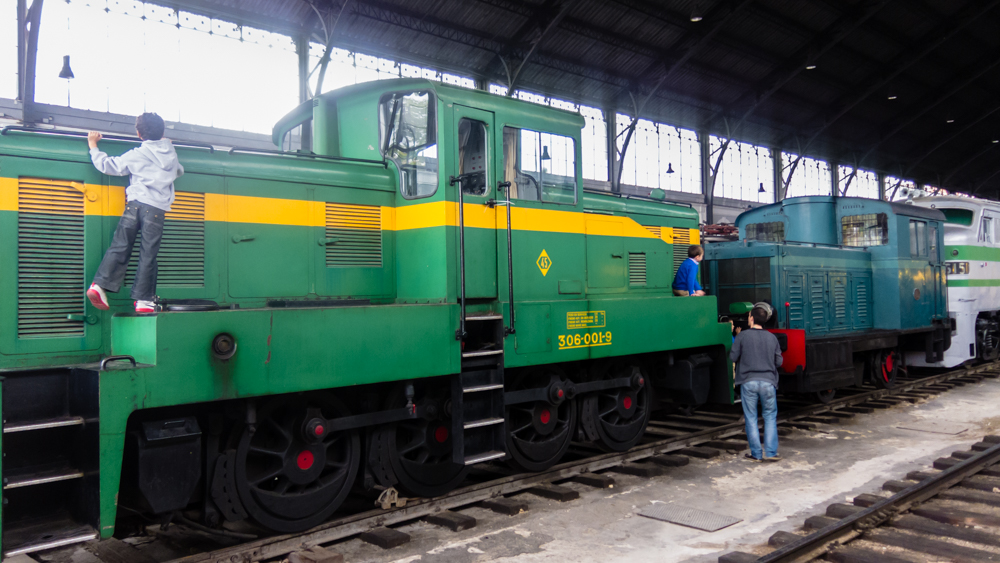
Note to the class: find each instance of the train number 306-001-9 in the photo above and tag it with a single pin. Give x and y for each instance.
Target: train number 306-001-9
(567, 341)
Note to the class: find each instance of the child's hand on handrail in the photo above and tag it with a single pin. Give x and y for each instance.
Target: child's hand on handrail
(92, 139)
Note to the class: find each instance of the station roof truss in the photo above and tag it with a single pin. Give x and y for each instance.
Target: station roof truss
(910, 88)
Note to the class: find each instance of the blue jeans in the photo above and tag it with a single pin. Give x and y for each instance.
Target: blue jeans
(146, 223)
(750, 393)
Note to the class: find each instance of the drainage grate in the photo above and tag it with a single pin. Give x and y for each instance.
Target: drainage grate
(690, 517)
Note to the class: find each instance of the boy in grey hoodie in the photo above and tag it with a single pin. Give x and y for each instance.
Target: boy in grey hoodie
(153, 167)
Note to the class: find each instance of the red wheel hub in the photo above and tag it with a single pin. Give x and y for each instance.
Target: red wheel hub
(887, 366)
(441, 434)
(304, 460)
(545, 416)
(318, 430)
(627, 403)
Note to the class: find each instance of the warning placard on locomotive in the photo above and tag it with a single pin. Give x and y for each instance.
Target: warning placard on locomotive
(576, 320)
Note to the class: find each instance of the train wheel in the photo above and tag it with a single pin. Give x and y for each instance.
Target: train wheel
(826, 396)
(616, 418)
(885, 368)
(290, 480)
(539, 433)
(419, 451)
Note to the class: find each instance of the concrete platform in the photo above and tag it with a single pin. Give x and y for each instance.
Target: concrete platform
(834, 463)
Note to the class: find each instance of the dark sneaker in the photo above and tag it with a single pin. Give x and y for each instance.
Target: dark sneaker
(773, 458)
(143, 307)
(98, 297)
(748, 457)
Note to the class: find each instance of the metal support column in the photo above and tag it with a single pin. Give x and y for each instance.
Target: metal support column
(611, 123)
(302, 48)
(482, 83)
(28, 21)
(707, 178)
(881, 186)
(834, 179)
(776, 177)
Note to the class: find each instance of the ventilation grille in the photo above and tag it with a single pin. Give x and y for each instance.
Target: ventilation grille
(682, 240)
(181, 260)
(817, 294)
(353, 236)
(862, 302)
(50, 244)
(636, 268)
(655, 230)
(795, 316)
(839, 299)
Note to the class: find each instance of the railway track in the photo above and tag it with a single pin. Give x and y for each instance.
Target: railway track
(946, 515)
(702, 434)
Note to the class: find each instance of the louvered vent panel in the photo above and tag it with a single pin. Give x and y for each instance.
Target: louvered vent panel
(839, 299)
(181, 260)
(862, 302)
(636, 268)
(50, 249)
(682, 240)
(354, 236)
(655, 230)
(795, 300)
(817, 302)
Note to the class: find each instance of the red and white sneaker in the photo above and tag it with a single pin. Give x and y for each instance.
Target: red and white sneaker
(143, 307)
(98, 297)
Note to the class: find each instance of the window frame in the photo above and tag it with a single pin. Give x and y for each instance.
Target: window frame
(881, 220)
(769, 230)
(918, 239)
(432, 121)
(518, 168)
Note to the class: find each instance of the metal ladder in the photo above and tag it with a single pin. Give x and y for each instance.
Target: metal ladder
(50, 473)
(477, 395)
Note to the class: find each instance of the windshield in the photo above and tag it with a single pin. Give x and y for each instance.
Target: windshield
(408, 137)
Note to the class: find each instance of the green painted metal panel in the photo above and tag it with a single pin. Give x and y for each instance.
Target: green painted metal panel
(605, 256)
(534, 328)
(964, 252)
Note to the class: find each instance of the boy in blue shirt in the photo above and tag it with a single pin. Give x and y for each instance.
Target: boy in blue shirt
(686, 280)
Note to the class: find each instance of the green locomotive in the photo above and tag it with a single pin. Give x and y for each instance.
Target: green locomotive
(430, 289)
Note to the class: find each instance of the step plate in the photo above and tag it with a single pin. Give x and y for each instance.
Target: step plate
(45, 535)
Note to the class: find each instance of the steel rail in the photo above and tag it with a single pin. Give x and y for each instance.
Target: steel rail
(341, 528)
(818, 543)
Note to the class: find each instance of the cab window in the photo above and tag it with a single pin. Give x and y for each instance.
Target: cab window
(986, 230)
(870, 229)
(539, 166)
(768, 232)
(918, 238)
(472, 156)
(408, 137)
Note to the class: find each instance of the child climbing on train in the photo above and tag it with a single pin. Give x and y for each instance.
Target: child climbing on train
(153, 167)
(686, 281)
(757, 354)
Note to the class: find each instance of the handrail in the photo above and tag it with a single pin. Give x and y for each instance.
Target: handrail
(384, 163)
(510, 258)
(129, 138)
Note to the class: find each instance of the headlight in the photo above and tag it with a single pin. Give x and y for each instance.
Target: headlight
(956, 268)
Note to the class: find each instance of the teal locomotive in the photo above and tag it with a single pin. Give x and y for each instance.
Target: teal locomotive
(431, 288)
(854, 284)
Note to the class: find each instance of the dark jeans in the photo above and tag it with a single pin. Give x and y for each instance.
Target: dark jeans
(138, 218)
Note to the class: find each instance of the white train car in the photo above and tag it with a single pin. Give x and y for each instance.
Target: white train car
(972, 266)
